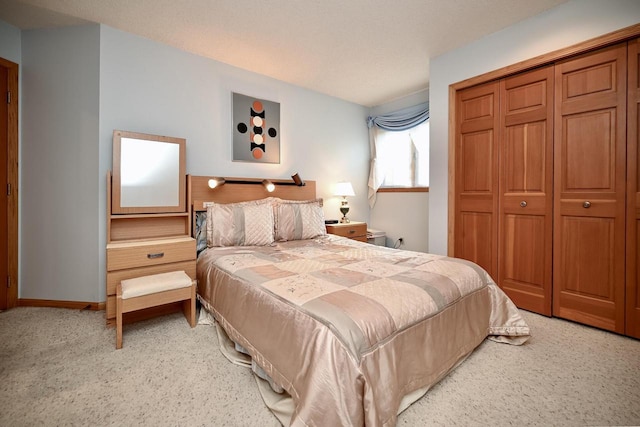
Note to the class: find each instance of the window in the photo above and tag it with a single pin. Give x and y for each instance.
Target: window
(403, 157)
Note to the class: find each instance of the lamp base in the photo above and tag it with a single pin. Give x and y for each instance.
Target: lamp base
(344, 210)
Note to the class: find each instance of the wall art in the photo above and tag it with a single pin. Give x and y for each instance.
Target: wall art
(256, 130)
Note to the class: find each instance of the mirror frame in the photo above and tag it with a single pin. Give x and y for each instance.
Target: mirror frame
(116, 206)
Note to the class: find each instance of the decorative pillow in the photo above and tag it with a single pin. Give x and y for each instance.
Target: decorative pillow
(240, 224)
(298, 220)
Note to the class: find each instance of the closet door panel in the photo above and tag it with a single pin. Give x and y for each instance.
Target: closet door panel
(476, 176)
(632, 326)
(476, 246)
(589, 188)
(525, 191)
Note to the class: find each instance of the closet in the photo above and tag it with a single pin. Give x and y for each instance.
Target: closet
(546, 186)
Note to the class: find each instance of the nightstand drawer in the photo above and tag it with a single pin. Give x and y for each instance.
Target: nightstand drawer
(123, 255)
(355, 230)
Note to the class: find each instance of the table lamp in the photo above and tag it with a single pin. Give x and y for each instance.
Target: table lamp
(344, 189)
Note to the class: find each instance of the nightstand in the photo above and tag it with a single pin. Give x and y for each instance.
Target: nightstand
(353, 230)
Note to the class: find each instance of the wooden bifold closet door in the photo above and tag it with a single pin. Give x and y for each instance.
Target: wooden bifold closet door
(590, 187)
(547, 186)
(504, 184)
(632, 327)
(476, 185)
(526, 183)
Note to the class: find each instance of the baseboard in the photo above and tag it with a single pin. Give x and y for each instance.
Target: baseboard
(76, 305)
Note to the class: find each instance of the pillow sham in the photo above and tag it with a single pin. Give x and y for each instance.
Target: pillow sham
(298, 220)
(240, 224)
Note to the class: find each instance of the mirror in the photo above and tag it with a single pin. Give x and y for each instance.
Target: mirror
(148, 173)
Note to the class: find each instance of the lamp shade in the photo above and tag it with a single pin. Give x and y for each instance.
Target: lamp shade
(344, 189)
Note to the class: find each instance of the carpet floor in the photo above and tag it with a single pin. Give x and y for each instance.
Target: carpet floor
(59, 367)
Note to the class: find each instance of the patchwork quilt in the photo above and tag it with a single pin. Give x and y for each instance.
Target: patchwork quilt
(350, 329)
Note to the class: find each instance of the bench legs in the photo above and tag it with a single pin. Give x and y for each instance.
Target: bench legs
(186, 295)
(189, 307)
(119, 317)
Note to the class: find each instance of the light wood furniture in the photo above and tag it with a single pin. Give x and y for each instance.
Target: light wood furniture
(130, 259)
(353, 230)
(147, 240)
(149, 173)
(152, 291)
(545, 190)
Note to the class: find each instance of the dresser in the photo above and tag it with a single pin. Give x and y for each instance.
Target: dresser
(148, 217)
(353, 230)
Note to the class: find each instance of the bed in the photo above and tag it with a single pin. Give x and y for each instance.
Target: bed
(352, 332)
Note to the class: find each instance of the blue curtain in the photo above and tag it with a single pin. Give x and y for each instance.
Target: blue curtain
(400, 120)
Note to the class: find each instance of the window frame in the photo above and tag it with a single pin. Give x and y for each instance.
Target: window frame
(406, 189)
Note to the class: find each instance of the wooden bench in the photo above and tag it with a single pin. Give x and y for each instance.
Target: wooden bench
(151, 291)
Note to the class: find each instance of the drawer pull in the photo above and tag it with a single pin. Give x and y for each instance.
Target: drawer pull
(523, 204)
(586, 205)
(156, 255)
(352, 231)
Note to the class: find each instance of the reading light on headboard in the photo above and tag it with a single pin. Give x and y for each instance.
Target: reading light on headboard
(216, 182)
(297, 180)
(270, 186)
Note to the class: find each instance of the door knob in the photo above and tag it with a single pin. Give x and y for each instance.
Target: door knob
(523, 204)
(586, 205)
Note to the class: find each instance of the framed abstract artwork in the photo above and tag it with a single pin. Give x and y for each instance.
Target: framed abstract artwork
(256, 130)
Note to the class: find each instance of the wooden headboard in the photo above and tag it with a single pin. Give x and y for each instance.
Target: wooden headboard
(242, 190)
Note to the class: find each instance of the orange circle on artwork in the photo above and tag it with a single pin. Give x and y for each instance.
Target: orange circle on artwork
(257, 106)
(257, 153)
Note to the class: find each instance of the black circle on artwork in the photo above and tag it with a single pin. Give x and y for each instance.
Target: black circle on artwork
(273, 132)
(242, 128)
(257, 130)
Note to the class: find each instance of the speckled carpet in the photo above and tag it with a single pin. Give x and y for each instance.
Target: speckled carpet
(60, 367)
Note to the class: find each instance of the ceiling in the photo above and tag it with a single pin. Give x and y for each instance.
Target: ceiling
(365, 51)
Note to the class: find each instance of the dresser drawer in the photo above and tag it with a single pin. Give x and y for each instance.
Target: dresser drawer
(121, 256)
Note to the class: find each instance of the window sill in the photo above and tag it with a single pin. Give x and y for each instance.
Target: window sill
(403, 190)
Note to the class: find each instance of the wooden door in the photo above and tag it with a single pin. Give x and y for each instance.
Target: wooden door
(476, 178)
(9, 162)
(589, 188)
(4, 235)
(526, 189)
(632, 326)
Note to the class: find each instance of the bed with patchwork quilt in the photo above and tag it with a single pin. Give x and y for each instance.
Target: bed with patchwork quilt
(353, 332)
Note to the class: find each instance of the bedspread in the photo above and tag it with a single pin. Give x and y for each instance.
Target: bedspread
(348, 328)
